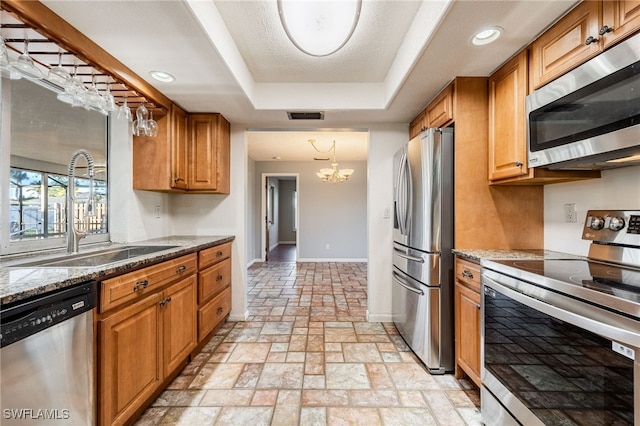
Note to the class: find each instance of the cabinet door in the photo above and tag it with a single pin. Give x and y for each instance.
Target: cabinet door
(467, 326)
(178, 308)
(417, 125)
(622, 17)
(179, 148)
(564, 46)
(439, 112)
(129, 360)
(507, 137)
(203, 152)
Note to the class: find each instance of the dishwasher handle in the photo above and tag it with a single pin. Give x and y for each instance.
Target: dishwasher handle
(26, 318)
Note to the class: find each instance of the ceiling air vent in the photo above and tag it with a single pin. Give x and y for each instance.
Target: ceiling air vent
(314, 115)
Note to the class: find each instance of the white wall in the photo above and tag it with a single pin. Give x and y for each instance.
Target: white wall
(333, 214)
(617, 189)
(383, 143)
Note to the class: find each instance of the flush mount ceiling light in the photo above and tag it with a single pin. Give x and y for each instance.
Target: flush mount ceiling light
(487, 36)
(162, 76)
(332, 175)
(319, 28)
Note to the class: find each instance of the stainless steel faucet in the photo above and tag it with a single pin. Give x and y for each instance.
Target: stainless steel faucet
(74, 235)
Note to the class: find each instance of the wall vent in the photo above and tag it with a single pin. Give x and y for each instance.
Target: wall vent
(306, 115)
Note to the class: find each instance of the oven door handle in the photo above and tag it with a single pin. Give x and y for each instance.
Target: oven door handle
(621, 334)
(406, 285)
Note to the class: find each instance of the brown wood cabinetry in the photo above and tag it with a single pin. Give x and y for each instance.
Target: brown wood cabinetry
(467, 320)
(508, 88)
(584, 32)
(151, 321)
(214, 292)
(439, 113)
(190, 154)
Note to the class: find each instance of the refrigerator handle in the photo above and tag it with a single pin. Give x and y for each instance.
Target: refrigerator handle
(404, 284)
(400, 195)
(409, 193)
(406, 256)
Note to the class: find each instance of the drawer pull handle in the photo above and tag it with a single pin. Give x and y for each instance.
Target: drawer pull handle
(590, 39)
(605, 29)
(467, 274)
(219, 311)
(140, 284)
(219, 254)
(181, 269)
(219, 277)
(478, 306)
(165, 301)
(176, 180)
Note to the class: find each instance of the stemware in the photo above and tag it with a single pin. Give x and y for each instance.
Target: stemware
(74, 93)
(109, 102)
(140, 125)
(152, 126)
(58, 75)
(25, 66)
(93, 100)
(124, 112)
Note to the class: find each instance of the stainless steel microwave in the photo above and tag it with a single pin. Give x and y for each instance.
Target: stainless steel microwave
(590, 117)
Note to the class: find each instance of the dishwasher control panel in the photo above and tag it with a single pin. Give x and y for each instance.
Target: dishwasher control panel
(20, 321)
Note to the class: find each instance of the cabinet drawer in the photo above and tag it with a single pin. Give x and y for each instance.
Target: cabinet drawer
(210, 315)
(125, 288)
(212, 280)
(214, 254)
(440, 111)
(468, 273)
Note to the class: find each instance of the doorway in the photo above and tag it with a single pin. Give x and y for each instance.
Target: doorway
(280, 233)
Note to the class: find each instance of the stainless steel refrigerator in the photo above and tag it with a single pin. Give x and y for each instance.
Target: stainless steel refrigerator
(422, 280)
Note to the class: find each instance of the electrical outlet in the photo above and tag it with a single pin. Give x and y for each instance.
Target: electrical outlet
(157, 209)
(570, 215)
(326, 246)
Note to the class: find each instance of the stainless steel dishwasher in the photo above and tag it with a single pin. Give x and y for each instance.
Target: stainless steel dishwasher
(47, 360)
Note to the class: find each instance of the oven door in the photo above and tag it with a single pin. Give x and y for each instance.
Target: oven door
(552, 360)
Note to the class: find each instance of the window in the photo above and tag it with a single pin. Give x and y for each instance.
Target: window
(42, 135)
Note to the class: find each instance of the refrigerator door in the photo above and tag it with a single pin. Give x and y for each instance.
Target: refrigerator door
(416, 314)
(422, 266)
(424, 156)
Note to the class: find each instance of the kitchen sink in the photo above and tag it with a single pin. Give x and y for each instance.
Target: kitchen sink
(95, 258)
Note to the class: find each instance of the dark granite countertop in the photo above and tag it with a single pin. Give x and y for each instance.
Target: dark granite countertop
(22, 282)
(476, 255)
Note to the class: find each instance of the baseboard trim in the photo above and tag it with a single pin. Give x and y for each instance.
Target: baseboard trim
(238, 318)
(345, 260)
(379, 317)
(253, 261)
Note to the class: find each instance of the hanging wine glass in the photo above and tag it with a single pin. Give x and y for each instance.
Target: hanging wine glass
(25, 66)
(58, 75)
(109, 102)
(140, 125)
(124, 112)
(152, 126)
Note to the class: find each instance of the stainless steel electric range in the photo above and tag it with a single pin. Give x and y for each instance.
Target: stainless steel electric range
(561, 337)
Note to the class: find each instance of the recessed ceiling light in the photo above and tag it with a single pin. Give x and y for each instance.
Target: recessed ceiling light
(487, 36)
(162, 76)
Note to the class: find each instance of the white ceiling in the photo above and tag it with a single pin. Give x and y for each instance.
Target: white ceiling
(233, 57)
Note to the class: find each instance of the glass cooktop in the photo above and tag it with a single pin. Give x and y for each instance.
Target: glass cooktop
(588, 280)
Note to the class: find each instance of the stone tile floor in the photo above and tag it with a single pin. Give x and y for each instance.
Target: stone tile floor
(306, 355)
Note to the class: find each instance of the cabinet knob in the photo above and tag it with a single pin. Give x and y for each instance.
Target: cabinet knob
(518, 163)
(219, 277)
(605, 29)
(590, 39)
(181, 269)
(467, 274)
(140, 284)
(478, 306)
(219, 311)
(218, 254)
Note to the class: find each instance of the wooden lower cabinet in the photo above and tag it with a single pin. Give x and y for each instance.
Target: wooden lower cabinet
(467, 320)
(213, 312)
(140, 345)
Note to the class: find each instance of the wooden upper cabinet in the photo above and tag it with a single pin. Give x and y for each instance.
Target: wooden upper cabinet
(619, 19)
(507, 137)
(564, 46)
(190, 153)
(179, 148)
(209, 153)
(439, 113)
(417, 125)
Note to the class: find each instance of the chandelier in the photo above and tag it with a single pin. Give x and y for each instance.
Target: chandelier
(332, 175)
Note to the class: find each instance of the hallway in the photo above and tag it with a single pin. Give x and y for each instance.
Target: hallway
(283, 253)
(306, 355)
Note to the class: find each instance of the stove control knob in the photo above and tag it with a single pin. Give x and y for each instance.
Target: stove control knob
(597, 223)
(617, 223)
